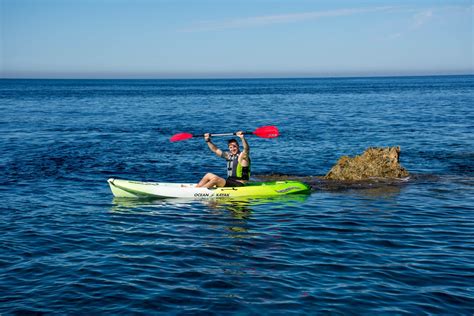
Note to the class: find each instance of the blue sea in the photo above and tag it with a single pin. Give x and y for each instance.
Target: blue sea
(68, 247)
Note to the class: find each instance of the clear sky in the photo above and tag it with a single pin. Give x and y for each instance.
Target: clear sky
(223, 38)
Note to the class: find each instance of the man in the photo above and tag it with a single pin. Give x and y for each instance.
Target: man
(238, 164)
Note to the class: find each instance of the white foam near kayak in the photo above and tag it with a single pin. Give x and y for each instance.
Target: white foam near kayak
(137, 189)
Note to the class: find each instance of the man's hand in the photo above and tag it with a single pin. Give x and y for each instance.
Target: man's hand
(244, 142)
(207, 137)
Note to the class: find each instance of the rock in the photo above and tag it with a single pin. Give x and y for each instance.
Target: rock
(373, 163)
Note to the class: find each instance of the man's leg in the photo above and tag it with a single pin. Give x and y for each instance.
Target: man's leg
(215, 181)
(207, 177)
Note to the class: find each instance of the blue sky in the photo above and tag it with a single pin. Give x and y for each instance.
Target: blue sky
(247, 38)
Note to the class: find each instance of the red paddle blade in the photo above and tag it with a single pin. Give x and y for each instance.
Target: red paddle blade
(180, 136)
(267, 132)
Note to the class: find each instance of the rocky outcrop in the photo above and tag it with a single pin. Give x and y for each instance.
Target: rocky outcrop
(373, 163)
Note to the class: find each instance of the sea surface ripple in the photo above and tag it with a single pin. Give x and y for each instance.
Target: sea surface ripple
(68, 247)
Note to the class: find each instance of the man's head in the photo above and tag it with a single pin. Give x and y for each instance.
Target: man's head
(233, 146)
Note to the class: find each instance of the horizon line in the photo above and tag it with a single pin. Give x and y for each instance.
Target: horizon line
(235, 76)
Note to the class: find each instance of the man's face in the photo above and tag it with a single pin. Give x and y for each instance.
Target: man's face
(233, 148)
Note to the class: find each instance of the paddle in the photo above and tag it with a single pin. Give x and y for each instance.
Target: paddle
(263, 132)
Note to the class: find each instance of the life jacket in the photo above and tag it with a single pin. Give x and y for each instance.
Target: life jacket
(235, 169)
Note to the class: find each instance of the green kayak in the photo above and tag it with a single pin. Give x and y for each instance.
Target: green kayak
(137, 189)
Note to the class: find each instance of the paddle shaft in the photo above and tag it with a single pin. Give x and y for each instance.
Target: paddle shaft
(224, 134)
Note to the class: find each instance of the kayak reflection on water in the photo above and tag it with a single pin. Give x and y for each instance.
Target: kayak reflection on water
(244, 205)
(241, 210)
(234, 205)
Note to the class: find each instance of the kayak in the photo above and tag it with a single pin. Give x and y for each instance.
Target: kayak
(136, 189)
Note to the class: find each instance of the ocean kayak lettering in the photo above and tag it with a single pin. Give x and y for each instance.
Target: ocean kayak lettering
(201, 194)
(213, 195)
(222, 195)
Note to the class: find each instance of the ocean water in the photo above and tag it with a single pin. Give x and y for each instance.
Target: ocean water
(67, 247)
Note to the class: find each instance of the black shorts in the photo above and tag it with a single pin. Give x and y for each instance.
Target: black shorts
(232, 182)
